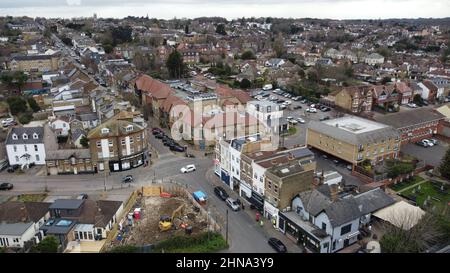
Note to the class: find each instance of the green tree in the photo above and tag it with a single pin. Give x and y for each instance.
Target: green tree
(20, 79)
(33, 104)
(220, 29)
(108, 48)
(16, 105)
(84, 142)
(444, 168)
(245, 83)
(48, 245)
(248, 55)
(175, 64)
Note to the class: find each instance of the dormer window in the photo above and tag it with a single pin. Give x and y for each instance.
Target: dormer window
(35, 136)
(25, 136)
(14, 136)
(129, 128)
(105, 131)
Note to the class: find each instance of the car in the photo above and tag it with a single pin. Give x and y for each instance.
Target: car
(311, 110)
(428, 142)
(324, 118)
(127, 179)
(422, 143)
(159, 135)
(7, 122)
(349, 167)
(189, 155)
(335, 161)
(6, 186)
(188, 168)
(325, 109)
(221, 193)
(177, 148)
(434, 141)
(297, 107)
(277, 245)
(13, 168)
(289, 118)
(300, 120)
(304, 101)
(312, 106)
(232, 204)
(288, 102)
(293, 121)
(412, 105)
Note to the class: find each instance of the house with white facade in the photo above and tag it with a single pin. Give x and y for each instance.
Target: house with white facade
(25, 145)
(373, 59)
(325, 220)
(269, 114)
(20, 222)
(61, 126)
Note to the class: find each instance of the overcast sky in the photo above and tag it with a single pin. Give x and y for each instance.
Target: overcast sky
(166, 9)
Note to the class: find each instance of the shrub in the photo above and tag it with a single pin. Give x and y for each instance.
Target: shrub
(202, 243)
(25, 118)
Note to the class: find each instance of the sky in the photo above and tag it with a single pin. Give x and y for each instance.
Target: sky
(230, 9)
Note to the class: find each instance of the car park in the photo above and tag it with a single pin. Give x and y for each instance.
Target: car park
(127, 179)
(188, 168)
(6, 186)
(221, 193)
(232, 204)
(277, 245)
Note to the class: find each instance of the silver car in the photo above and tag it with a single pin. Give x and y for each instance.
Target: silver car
(232, 204)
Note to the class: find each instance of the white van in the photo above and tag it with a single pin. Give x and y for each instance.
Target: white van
(267, 87)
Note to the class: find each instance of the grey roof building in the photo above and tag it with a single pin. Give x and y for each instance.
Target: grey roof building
(33, 135)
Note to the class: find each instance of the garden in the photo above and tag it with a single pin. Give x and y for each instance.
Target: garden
(429, 195)
(406, 183)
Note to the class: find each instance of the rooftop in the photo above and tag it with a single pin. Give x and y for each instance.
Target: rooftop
(67, 204)
(355, 125)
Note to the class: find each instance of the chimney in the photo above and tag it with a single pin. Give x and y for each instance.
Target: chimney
(333, 192)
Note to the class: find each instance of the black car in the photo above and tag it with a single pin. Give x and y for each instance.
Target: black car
(6, 186)
(221, 193)
(297, 107)
(13, 168)
(277, 245)
(177, 148)
(324, 118)
(159, 135)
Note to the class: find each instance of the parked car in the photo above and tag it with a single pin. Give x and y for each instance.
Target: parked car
(177, 148)
(221, 193)
(127, 179)
(422, 143)
(7, 122)
(293, 121)
(13, 168)
(311, 110)
(232, 204)
(434, 141)
(188, 168)
(324, 118)
(277, 245)
(302, 121)
(428, 142)
(6, 186)
(349, 167)
(297, 107)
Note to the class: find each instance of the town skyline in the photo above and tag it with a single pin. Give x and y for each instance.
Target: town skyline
(323, 9)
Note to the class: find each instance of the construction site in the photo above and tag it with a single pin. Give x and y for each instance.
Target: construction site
(161, 212)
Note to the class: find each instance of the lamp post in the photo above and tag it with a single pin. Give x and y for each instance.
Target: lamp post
(226, 234)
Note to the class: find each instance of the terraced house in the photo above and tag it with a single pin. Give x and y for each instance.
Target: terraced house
(118, 145)
(354, 139)
(35, 63)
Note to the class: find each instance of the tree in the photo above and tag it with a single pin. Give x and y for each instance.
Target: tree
(444, 169)
(108, 48)
(396, 168)
(245, 83)
(33, 104)
(48, 245)
(404, 235)
(84, 142)
(186, 29)
(248, 55)
(175, 64)
(121, 35)
(220, 29)
(16, 105)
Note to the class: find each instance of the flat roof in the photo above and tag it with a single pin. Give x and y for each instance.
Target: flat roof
(355, 125)
(14, 229)
(66, 204)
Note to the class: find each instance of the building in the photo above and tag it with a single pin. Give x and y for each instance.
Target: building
(120, 144)
(25, 145)
(61, 126)
(354, 139)
(324, 220)
(69, 161)
(429, 90)
(268, 113)
(20, 222)
(81, 219)
(373, 59)
(355, 99)
(414, 125)
(283, 182)
(35, 63)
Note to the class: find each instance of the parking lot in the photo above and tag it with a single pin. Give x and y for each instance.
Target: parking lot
(297, 109)
(431, 155)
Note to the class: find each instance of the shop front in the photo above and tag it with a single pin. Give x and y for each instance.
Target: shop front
(257, 201)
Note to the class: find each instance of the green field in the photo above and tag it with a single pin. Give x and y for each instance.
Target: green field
(31, 197)
(400, 186)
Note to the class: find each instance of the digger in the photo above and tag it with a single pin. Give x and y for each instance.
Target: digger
(166, 222)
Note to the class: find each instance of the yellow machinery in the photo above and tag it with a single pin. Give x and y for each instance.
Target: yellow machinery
(165, 222)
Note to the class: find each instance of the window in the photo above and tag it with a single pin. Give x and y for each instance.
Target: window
(25, 136)
(346, 229)
(35, 148)
(324, 226)
(110, 143)
(99, 143)
(105, 130)
(14, 136)
(122, 141)
(25, 148)
(131, 140)
(37, 158)
(15, 148)
(138, 138)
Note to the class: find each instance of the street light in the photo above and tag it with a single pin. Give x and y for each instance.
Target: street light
(226, 234)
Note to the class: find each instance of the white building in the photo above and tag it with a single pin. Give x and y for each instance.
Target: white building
(269, 114)
(60, 126)
(373, 59)
(25, 145)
